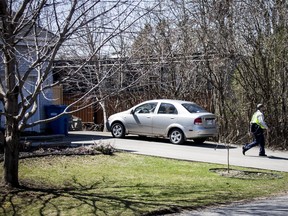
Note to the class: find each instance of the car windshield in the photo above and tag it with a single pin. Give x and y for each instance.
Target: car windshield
(193, 108)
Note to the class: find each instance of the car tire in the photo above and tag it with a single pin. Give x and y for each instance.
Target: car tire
(176, 136)
(118, 130)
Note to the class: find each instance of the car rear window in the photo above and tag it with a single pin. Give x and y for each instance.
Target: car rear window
(193, 108)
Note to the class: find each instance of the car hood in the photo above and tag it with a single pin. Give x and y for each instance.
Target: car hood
(120, 113)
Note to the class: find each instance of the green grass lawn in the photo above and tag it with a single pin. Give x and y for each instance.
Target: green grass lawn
(124, 184)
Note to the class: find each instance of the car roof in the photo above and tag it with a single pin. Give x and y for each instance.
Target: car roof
(170, 101)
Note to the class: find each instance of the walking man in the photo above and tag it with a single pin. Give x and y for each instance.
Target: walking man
(258, 125)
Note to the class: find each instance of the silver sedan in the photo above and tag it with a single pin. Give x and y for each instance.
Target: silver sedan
(173, 119)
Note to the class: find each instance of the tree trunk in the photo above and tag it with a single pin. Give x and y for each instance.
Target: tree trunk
(11, 108)
(11, 156)
(102, 104)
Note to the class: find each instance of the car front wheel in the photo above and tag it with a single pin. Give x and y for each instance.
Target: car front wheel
(118, 130)
(176, 136)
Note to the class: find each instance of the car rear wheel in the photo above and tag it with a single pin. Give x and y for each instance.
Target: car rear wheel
(176, 136)
(118, 130)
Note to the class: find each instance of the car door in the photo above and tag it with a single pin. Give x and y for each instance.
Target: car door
(166, 115)
(140, 120)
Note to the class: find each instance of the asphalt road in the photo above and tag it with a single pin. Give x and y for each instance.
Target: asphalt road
(275, 206)
(206, 152)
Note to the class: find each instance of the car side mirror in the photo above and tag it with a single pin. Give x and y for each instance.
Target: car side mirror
(132, 112)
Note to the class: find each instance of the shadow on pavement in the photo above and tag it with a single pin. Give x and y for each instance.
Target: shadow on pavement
(268, 157)
(277, 158)
(187, 143)
(211, 145)
(85, 137)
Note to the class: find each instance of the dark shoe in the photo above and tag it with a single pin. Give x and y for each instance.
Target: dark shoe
(243, 150)
(262, 155)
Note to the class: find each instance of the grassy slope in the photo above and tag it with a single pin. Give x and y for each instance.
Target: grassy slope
(124, 184)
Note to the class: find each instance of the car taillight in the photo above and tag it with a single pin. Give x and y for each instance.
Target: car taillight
(198, 121)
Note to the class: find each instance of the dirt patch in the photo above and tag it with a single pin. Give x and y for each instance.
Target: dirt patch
(244, 174)
(81, 150)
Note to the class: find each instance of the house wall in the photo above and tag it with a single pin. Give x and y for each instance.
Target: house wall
(45, 98)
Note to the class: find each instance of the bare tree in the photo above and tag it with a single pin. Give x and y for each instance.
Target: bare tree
(262, 72)
(32, 35)
(166, 41)
(242, 59)
(246, 42)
